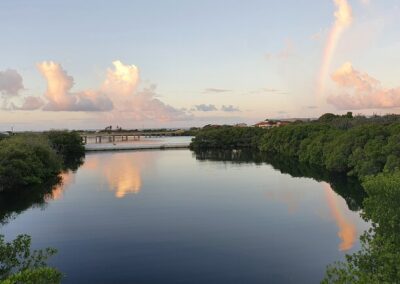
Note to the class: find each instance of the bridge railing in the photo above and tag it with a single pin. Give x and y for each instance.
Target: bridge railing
(114, 137)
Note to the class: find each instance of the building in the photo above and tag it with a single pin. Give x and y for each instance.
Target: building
(271, 123)
(240, 125)
(265, 124)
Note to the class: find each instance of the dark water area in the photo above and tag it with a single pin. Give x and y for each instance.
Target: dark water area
(178, 216)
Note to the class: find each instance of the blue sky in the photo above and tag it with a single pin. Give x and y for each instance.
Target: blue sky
(266, 55)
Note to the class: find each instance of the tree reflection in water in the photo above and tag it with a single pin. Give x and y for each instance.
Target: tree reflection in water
(378, 261)
(348, 188)
(15, 202)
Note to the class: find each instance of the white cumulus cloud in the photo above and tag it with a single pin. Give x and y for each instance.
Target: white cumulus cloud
(122, 80)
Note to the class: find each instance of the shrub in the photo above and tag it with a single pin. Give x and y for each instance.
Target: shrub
(18, 264)
(26, 161)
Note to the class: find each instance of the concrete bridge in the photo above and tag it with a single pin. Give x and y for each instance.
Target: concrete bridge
(123, 136)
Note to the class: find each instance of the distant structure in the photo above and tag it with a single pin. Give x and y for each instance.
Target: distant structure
(271, 123)
(4, 134)
(110, 129)
(240, 125)
(212, 126)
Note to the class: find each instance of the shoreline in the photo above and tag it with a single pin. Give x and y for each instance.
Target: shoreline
(122, 147)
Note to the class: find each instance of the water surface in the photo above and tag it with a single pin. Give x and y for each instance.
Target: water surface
(176, 217)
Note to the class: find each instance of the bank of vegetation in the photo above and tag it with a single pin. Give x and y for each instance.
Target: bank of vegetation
(358, 146)
(367, 148)
(28, 160)
(227, 137)
(30, 164)
(20, 264)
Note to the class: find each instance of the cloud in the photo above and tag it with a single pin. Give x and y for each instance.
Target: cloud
(30, 103)
(145, 106)
(122, 80)
(287, 51)
(215, 90)
(118, 95)
(205, 108)
(229, 108)
(274, 91)
(361, 91)
(60, 97)
(343, 19)
(365, 2)
(343, 14)
(10, 83)
(121, 86)
(268, 91)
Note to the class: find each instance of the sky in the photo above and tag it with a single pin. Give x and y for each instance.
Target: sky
(141, 64)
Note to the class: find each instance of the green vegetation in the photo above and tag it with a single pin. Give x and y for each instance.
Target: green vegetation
(14, 202)
(29, 168)
(378, 261)
(366, 148)
(18, 264)
(227, 137)
(27, 160)
(69, 146)
(170, 132)
(359, 147)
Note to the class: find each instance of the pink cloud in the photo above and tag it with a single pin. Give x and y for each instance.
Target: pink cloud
(60, 97)
(122, 80)
(117, 95)
(143, 105)
(359, 90)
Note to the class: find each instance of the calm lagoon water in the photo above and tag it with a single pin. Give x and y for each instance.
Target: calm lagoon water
(172, 217)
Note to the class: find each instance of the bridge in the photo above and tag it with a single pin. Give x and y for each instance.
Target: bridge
(113, 137)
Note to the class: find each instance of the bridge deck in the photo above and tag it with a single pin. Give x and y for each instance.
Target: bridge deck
(122, 136)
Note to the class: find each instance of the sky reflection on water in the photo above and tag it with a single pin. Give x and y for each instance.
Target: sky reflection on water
(165, 217)
(347, 229)
(122, 173)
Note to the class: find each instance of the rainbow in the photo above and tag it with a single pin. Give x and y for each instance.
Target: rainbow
(343, 16)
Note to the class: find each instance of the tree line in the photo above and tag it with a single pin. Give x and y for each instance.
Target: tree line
(29, 168)
(227, 137)
(367, 148)
(360, 151)
(27, 159)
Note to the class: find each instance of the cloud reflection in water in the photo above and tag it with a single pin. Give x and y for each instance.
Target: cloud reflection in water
(347, 230)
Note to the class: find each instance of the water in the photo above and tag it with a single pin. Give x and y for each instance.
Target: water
(176, 217)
